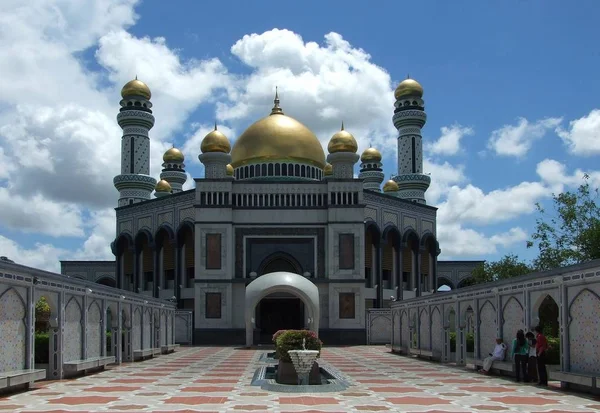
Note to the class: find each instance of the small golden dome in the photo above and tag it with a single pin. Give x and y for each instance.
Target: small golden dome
(162, 186)
(173, 155)
(371, 155)
(408, 87)
(136, 87)
(328, 170)
(277, 136)
(229, 171)
(390, 186)
(342, 141)
(215, 141)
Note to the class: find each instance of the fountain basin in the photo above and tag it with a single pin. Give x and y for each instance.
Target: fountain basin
(303, 361)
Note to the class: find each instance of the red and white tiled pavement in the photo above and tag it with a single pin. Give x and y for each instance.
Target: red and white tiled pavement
(217, 379)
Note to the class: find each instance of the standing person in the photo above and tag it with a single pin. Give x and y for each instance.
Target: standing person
(532, 361)
(498, 354)
(520, 351)
(541, 346)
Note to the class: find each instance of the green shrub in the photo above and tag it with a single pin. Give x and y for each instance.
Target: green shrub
(277, 334)
(108, 341)
(553, 352)
(452, 336)
(292, 340)
(470, 343)
(42, 348)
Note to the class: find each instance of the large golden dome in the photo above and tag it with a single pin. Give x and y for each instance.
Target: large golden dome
(136, 87)
(342, 141)
(173, 155)
(408, 87)
(215, 141)
(277, 137)
(371, 155)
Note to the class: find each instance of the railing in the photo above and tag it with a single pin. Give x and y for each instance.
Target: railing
(379, 323)
(499, 309)
(81, 313)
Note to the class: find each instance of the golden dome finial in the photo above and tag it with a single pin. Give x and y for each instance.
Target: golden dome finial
(215, 141)
(276, 109)
(342, 141)
(371, 155)
(391, 186)
(162, 186)
(173, 155)
(408, 87)
(136, 87)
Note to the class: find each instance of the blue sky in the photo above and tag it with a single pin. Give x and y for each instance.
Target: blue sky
(485, 70)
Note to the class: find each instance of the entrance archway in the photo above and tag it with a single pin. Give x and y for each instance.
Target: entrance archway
(283, 284)
(279, 262)
(278, 311)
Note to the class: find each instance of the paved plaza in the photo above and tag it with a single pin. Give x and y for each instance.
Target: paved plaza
(217, 379)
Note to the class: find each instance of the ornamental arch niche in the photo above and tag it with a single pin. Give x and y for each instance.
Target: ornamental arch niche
(372, 251)
(280, 262)
(165, 248)
(410, 262)
(185, 241)
(124, 251)
(391, 250)
(281, 282)
(427, 264)
(144, 249)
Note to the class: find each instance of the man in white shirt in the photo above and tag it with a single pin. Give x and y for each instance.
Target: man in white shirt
(498, 354)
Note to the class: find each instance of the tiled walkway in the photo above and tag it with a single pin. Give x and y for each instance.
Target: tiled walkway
(217, 379)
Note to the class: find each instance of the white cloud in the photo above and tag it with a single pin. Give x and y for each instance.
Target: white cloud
(457, 241)
(449, 141)
(470, 204)
(177, 86)
(554, 174)
(516, 140)
(320, 85)
(36, 214)
(443, 177)
(583, 135)
(58, 129)
(43, 256)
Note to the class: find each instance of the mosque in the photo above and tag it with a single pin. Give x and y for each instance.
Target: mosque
(277, 234)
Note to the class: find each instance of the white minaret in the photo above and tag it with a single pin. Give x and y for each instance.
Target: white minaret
(409, 118)
(371, 171)
(135, 118)
(342, 156)
(215, 155)
(173, 169)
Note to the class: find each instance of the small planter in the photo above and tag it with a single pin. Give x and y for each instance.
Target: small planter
(286, 373)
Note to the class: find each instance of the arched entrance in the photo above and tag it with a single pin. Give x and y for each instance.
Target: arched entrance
(298, 296)
(280, 262)
(278, 311)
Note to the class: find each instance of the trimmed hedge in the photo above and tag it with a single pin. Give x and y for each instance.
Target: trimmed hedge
(42, 348)
(286, 340)
(470, 342)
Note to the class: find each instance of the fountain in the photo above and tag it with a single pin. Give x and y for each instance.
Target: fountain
(303, 361)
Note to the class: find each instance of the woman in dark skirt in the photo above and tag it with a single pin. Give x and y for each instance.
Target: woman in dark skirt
(532, 362)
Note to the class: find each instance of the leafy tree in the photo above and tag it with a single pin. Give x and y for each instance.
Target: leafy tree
(508, 266)
(572, 235)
